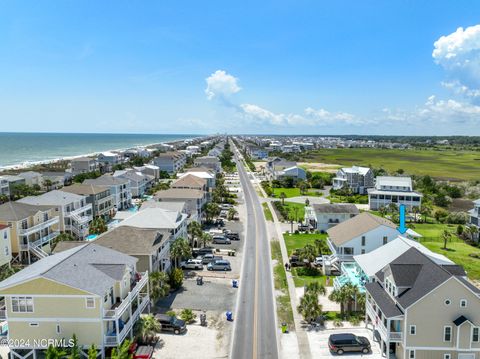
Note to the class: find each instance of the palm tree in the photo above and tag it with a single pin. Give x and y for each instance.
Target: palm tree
(98, 226)
(473, 233)
(122, 352)
(180, 249)
(47, 183)
(315, 287)
(310, 307)
(426, 210)
(321, 246)
(232, 212)
(446, 235)
(303, 187)
(55, 353)
(383, 211)
(92, 352)
(415, 211)
(194, 230)
(159, 286)
(392, 208)
(211, 210)
(339, 296)
(282, 197)
(147, 328)
(206, 238)
(74, 350)
(309, 253)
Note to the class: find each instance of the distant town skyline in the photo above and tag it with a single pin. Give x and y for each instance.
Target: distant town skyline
(276, 67)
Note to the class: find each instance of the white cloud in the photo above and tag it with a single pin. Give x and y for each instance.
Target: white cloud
(221, 84)
(459, 54)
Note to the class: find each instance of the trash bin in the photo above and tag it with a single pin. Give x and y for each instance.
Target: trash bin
(229, 316)
(199, 280)
(284, 327)
(203, 320)
(235, 283)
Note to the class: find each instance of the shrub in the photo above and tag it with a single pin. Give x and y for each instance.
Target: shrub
(337, 322)
(354, 320)
(188, 315)
(171, 313)
(176, 278)
(308, 271)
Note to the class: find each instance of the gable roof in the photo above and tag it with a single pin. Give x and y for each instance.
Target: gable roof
(180, 193)
(154, 218)
(106, 180)
(177, 206)
(84, 189)
(189, 181)
(54, 198)
(78, 268)
(133, 240)
(336, 208)
(356, 226)
(394, 181)
(16, 211)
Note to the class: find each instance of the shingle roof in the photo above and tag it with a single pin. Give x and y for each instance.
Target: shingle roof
(84, 189)
(54, 198)
(383, 300)
(78, 268)
(180, 193)
(177, 206)
(189, 181)
(460, 320)
(106, 180)
(356, 226)
(15, 211)
(335, 208)
(154, 218)
(133, 240)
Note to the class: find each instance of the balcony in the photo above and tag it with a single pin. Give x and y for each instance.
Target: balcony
(38, 227)
(39, 242)
(387, 336)
(115, 313)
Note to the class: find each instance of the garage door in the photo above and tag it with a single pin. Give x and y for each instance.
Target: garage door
(466, 356)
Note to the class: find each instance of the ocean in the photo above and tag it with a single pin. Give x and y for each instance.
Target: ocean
(20, 149)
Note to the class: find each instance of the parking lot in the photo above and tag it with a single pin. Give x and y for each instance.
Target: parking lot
(319, 343)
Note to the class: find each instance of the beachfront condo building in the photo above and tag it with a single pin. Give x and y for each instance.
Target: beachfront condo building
(194, 199)
(396, 190)
(5, 245)
(356, 179)
(210, 162)
(91, 291)
(139, 182)
(4, 187)
(421, 309)
(74, 211)
(32, 229)
(84, 165)
(99, 197)
(119, 189)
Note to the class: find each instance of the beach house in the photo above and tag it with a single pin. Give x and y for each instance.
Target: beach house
(98, 196)
(170, 162)
(84, 165)
(194, 200)
(421, 309)
(326, 215)
(32, 229)
(139, 182)
(74, 211)
(90, 291)
(474, 215)
(119, 189)
(5, 245)
(396, 190)
(355, 178)
(210, 162)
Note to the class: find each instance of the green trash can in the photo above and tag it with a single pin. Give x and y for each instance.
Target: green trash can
(284, 327)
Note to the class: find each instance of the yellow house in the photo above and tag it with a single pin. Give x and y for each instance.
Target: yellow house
(90, 291)
(5, 246)
(32, 228)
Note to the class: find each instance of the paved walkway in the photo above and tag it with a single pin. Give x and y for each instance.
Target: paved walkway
(302, 338)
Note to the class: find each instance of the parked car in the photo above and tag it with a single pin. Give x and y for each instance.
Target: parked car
(223, 213)
(233, 236)
(295, 261)
(192, 264)
(202, 251)
(219, 264)
(207, 258)
(318, 261)
(219, 222)
(348, 343)
(171, 324)
(225, 206)
(220, 240)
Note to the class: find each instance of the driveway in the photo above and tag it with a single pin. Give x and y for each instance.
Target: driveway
(319, 343)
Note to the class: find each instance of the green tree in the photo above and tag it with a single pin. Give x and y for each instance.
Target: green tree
(47, 183)
(303, 186)
(62, 237)
(315, 287)
(176, 278)
(282, 197)
(309, 253)
(159, 286)
(194, 230)
(206, 239)
(187, 315)
(232, 212)
(383, 211)
(55, 353)
(426, 211)
(211, 210)
(74, 350)
(310, 307)
(344, 296)
(122, 352)
(446, 236)
(98, 226)
(321, 246)
(92, 352)
(147, 328)
(180, 249)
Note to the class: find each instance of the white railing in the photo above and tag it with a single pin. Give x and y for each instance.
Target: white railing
(38, 227)
(40, 242)
(112, 314)
(78, 211)
(378, 324)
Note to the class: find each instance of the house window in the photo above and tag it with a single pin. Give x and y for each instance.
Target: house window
(22, 304)
(463, 303)
(58, 330)
(363, 240)
(413, 329)
(447, 334)
(90, 302)
(411, 354)
(7, 252)
(475, 334)
(385, 240)
(447, 356)
(33, 324)
(363, 251)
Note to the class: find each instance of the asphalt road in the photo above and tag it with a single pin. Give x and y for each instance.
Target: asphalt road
(255, 330)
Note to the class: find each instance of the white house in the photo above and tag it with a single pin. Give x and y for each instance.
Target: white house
(475, 214)
(357, 179)
(326, 215)
(139, 182)
(358, 235)
(397, 190)
(5, 245)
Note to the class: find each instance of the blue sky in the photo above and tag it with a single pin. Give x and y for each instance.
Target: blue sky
(315, 67)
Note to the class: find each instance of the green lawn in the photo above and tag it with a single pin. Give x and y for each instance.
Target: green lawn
(294, 241)
(438, 163)
(432, 231)
(302, 280)
(292, 192)
(267, 212)
(299, 215)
